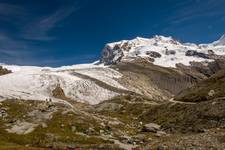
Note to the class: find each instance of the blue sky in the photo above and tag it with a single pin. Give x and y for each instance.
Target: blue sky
(65, 32)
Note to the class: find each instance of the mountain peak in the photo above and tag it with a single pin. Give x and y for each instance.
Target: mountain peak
(161, 37)
(222, 38)
(160, 50)
(220, 42)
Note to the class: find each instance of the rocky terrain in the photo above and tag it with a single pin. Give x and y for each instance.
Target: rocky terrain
(4, 71)
(148, 94)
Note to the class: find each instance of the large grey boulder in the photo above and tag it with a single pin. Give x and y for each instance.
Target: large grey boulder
(151, 127)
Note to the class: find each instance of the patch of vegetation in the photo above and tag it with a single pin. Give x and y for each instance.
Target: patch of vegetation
(127, 109)
(187, 117)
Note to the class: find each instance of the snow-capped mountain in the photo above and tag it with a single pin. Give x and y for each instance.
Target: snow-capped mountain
(162, 51)
(94, 83)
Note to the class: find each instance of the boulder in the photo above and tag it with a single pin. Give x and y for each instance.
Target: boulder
(151, 127)
(3, 113)
(153, 54)
(160, 133)
(211, 93)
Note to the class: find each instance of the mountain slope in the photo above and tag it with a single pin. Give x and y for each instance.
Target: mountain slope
(206, 90)
(35, 83)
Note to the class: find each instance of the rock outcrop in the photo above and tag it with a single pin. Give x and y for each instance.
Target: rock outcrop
(196, 54)
(151, 127)
(59, 93)
(4, 71)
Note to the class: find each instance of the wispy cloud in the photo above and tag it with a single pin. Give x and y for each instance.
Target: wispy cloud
(39, 28)
(194, 9)
(20, 44)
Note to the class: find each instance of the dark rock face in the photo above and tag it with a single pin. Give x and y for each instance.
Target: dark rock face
(203, 70)
(112, 55)
(59, 93)
(153, 54)
(196, 54)
(170, 52)
(4, 71)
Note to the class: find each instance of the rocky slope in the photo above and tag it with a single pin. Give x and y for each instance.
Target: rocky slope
(211, 88)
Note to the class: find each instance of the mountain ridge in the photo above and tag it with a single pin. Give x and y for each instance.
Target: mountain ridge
(163, 51)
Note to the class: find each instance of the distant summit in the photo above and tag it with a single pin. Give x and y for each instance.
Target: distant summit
(220, 42)
(161, 50)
